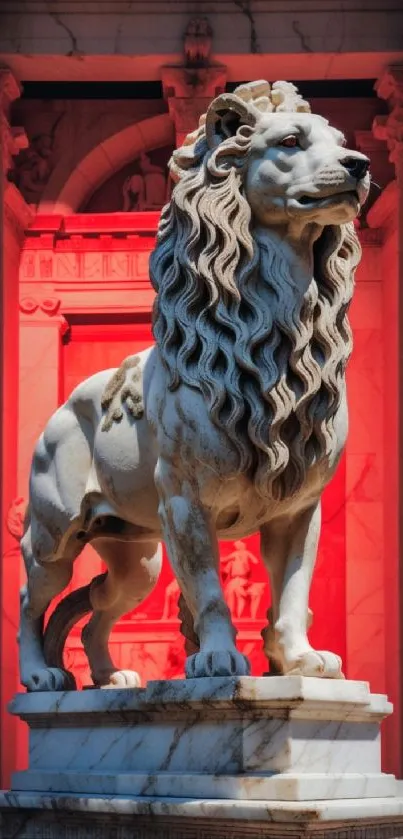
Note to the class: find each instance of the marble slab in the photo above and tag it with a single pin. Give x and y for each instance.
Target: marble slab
(278, 738)
(275, 693)
(252, 787)
(341, 810)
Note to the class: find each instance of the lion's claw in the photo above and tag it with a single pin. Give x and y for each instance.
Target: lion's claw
(317, 663)
(217, 663)
(122, 679)
(50, 678)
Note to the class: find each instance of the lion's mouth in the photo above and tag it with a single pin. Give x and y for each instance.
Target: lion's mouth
(306, 200)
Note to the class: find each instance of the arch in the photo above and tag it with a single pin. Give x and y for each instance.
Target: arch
(103, 161)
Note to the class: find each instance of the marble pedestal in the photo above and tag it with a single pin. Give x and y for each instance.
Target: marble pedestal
(209, 757)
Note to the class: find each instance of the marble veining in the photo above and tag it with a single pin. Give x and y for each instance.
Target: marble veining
(278, 738)
(281, 811)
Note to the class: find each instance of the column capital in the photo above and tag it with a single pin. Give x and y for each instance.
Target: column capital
(389, 128)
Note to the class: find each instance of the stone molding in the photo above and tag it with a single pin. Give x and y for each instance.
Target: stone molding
(315, 27)
(102, 269)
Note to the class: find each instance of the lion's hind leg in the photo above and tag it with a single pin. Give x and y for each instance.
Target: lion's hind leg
(133, 570)
(44, 582)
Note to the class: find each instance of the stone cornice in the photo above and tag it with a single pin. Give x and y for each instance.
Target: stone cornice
(313, 31)
(81, 264)
(90, 264)
(183, 6)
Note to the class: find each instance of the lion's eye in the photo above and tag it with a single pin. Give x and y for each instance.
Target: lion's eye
(289, 142)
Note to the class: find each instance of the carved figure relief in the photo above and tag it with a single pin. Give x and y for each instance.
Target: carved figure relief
(145, 190)
(171, 600)
(34, 165)
(197, 42)
(237, 569)
(245, 414)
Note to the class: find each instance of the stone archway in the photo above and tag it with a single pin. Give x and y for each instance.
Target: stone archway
(104, 160)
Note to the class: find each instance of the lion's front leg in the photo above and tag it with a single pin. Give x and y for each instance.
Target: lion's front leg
(289, 551)
(193, 553)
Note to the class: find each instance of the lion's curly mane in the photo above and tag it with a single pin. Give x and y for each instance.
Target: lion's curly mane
(272, 375)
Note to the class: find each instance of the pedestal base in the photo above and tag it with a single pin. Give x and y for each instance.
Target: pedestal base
(39, 816)
(253, 757)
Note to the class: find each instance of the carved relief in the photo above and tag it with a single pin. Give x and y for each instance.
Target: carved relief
(197, 42)
(123, 389)
(390, 128)
(35, 164)
(140, 185)
(119, 265)
(45, 266)
(12, 138)
(188, 86)
(28, 265)
(172, 595)
(49, 305)
(243, 595)
(146, 189)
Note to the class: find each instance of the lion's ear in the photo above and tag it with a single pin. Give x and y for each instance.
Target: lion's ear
(225, 115)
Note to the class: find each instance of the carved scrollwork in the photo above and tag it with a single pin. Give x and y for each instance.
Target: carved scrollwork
(49, 305)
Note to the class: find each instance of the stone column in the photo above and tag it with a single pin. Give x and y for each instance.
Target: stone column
(42, 328)
(189, 87)
(389, 128)
(14, 217)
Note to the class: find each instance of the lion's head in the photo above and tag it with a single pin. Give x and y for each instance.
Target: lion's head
(254, 269)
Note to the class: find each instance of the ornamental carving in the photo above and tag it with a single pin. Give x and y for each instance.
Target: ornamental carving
(390, 128)
(49, 305)
(35, 164)
(12, 138)
(197, 42)
(145, 189)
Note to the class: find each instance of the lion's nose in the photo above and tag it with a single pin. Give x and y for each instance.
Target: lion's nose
(356, 166)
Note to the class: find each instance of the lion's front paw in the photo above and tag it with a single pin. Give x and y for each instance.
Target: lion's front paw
(49, 678)
(317, 663)
(217, 663)
(122, 679)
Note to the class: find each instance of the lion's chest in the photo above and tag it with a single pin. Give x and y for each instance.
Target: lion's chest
(240, 510)
(203, 461)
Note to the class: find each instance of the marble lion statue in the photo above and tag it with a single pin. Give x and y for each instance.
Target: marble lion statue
(235, 420)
